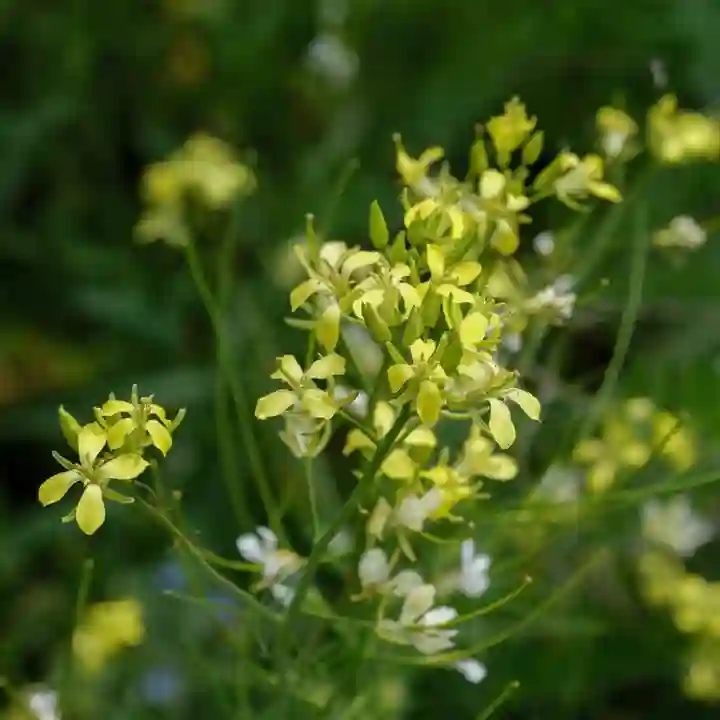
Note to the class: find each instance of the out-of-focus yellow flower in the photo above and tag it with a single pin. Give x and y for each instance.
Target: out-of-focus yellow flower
(617, 130)
(510, 130)
(107, 628)
(677, 136)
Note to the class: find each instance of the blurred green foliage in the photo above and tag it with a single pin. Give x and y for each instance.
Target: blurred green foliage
(94, 92)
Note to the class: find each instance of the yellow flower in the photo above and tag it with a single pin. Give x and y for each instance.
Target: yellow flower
(413, 170)
(136, 424)
(95, 473)
(106, 629)
(449, 280)
(422, 381)
(510, 130)
(616, 129)
(385, 290)
(403, 461)
(677, 136)
(581, 178)
(304, 396)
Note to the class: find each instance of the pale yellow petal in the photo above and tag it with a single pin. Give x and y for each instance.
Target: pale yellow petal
(319, 404)
(529, 404)
(357, 440)
(91, 441)
(123, 467)
(398, 465)
(90, 512)
(398, 375)
(115, 407)
(303, 292)
(289, 370)
(274, 404)
(473, 328)
(436, 262)
(55, 487)
(326, 367)
(327, 327)
(501, 424)
(359, 260)
(429, 403)
(118, 431)
(159, 435)
(465, 272)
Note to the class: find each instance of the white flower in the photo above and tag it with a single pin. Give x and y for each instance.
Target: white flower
(659, 73)
(374, 574)
(474, 579)
(512, 342)
(556, 299)
(329, 56)
(341, 544)
(43, 703)
(472, 670)
(544, 243)
(420, 624)
(413, 511)
(675, 524)
(683, 231)
(261, 547)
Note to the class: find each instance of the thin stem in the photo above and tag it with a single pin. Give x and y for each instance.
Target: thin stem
(308, 464)
(627, 323)
(239, 399)
(335, 526)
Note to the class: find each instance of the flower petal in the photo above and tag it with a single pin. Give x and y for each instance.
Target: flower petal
(250, 548)
(429, 403)
(303, 292)
(465, 272)
(398, 465)
(398, 375)
(417, 602)
(472, 670)
(327, 327)
(435, 261)
(529, 404)
(55, 487)
(326, 367)
(118, 431)
(70, 427)
(123, 467)
(358, 260)
(289, 370)
(501, 424)
(115, 407)
(90, 513)
(274, 404)
(438, 616)
(319, 404)
(159, 435)
(373, 568)
(91, 441)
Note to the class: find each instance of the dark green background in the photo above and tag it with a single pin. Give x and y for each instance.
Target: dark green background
(92, 92)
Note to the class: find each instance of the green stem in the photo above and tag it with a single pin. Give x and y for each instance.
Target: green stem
(627, 323)
(311, 497)
(345, 514)
(239, 399)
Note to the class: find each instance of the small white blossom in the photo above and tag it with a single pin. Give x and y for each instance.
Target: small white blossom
(374, 574)
(420, 625)
(474, 579)
(557, 299)
(683, 231)
(261, 547)
(675, 524)
(472, 670)
(559, 485)
(544, 243)
(413, 511)
(329, 56)
(43, 703)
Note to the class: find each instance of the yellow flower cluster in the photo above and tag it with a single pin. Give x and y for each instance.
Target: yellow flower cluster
(629, 436)
(112, 447)
(107, 628)
(205, 169)
(694, 604)
(427, 299)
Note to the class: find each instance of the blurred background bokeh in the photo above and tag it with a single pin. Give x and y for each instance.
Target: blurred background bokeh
(310, 94)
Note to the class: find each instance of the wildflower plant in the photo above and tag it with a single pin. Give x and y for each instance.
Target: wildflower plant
(439, 301)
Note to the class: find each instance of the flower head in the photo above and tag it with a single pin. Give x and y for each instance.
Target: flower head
(94, 470)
